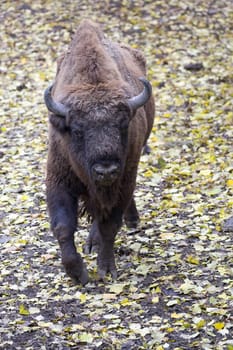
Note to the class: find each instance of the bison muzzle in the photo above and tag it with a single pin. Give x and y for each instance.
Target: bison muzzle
(101, 113)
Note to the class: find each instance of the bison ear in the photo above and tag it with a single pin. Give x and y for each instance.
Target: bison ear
(58, 123)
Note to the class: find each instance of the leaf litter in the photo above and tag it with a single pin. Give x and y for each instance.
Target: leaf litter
(175, 285)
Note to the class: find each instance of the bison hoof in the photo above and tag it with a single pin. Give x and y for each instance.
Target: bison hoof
(84, 278)
(76, 269)
(103, 272)
(132, 223)
(106, 265)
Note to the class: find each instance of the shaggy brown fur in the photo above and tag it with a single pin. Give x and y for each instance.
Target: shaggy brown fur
(94, 79)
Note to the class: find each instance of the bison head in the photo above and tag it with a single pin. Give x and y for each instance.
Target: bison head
(97, 137)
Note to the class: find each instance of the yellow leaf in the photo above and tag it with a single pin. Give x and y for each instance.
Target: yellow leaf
(200, 324)
(42, 75)
(192, 260)
(157, 290)
(22, 241)
(170, 329)
(23, 311)
(24, 197)
(155, 300)
(125, 302)
(148, 173)
(173, 210)
(219, 325)
(83, 298)
(12, 75)
(230, 183)
(23, 60)
(153, 138)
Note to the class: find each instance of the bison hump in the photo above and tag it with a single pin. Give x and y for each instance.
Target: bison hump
(87, 60)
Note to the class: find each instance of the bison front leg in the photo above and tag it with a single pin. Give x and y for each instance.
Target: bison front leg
(63, 215)
(107, 230)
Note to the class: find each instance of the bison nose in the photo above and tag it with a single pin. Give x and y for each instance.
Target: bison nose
(105, 174)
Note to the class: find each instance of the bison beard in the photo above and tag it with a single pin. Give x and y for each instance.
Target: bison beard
(101, 114)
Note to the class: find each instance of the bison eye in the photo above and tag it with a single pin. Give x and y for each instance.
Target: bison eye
(78, 133)
(58, 122)
(124, 125)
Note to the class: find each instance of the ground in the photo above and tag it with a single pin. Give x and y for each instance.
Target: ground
(175, 285)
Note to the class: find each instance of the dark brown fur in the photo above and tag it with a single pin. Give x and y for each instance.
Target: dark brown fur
(95, 77)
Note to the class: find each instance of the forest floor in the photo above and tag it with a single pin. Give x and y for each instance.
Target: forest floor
(175, 284)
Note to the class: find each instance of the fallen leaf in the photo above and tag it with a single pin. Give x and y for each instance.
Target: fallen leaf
(219, 325)
(23, 310)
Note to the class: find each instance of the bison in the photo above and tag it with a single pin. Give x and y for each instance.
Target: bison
(101, 113)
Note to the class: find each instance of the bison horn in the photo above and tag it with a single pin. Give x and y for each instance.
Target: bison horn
(56, 107)
(139, 100)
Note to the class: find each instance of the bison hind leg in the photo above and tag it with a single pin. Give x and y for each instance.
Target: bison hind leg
(131, 216)
(93, 240)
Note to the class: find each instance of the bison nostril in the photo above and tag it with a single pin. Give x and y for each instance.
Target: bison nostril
(112, 169)
(105, 173)
(105, 169)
